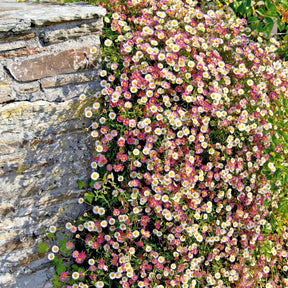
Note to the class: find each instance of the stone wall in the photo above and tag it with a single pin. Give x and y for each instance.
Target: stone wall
(46, 62)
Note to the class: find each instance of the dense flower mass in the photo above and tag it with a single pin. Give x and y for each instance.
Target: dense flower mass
(181, 130)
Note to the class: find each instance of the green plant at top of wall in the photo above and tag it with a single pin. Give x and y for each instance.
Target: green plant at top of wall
(262, 16)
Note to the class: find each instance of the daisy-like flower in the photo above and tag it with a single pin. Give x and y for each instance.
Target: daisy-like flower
(55, 249)
(52, 229)
(108, 42)
(82, 96)
(94, 175)
(75, 275)
(93, 50)
(51, 256)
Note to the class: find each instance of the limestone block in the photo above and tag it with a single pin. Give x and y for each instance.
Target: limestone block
(45, 154)
(22, 52)
(16, 37)
(5, 87)
(66, 79)
(78, 30)
(27, 14)
(27, 88)
(12, 45)
(52, 64)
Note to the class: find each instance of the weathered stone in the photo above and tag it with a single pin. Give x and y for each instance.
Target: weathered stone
(56, 36)
(43, 147)
(5, 87)
(10, 46)
(66, 79)
(17, 37)
(7, 24)
(24, 15)
(70, 91)
(46, 153)
(27, 88)
(5, 91)
(52, 64)
(22, 52)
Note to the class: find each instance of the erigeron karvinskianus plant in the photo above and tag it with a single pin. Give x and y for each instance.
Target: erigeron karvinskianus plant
(178, 197)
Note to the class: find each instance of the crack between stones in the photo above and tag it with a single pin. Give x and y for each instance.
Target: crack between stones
(38, 100)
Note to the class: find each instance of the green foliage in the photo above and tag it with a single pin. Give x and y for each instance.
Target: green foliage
(50, 235)
(43, 248)
(89, 196)
(81, 184)
(56, 282)
(62, 244)
(262, 16)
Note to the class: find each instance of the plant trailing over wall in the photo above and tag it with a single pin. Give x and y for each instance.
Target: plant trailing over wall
(261, 17)
(182, 194)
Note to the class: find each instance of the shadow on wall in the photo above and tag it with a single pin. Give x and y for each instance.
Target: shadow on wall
(43, 152)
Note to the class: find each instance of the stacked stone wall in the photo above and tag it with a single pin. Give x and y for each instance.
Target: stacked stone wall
(46, 62)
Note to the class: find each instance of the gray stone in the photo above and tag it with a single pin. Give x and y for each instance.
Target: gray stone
(73, 78)
(29, 41)
(16, 17)
(14, 37)
(79, 29)
(43, 147)
(64, 89)
(5, 87)
(45, 154)
(27, 88)
(52, 64)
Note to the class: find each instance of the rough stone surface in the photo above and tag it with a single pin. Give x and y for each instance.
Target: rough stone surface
(74, 78)
(27, 14)
(5, 86)
(6, 46)
(45, 64)
(27, 59)
(67, 61)
(43, 153)
(16, 37)
(82, 28)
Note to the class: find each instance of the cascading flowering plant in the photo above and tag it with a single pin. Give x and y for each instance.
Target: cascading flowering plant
(178, 197)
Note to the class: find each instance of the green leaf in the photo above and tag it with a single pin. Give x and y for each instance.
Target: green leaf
(56, 282)
(81, 184)
(252, 19)
(282, 168)
(56, 261)
(43, 248)
(269, 20)
(268, 4)
(273, 14)
(50, 235)
(56, 277)
(75, 267)
(89, 197)
(247, 3)
(92, 183)
(60, 268)
(259, 27)
(284, 135)
(252, 26)
(261, 11)
(242, 9)
(62, 247)
(268, 28)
